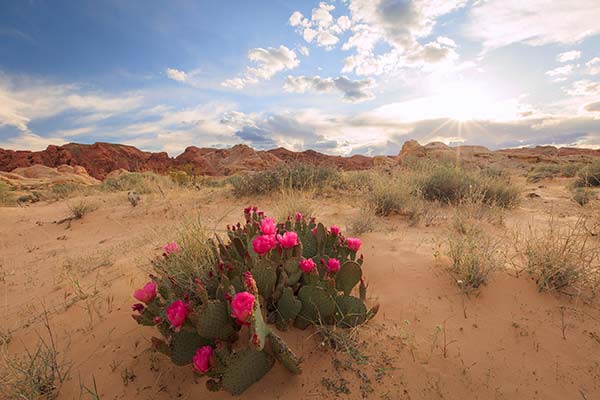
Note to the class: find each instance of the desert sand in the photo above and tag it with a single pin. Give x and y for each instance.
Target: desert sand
(429, 341)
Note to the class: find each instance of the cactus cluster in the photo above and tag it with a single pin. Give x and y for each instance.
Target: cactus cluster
(265, 275)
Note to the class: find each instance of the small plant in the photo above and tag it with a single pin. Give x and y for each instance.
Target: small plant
(562, 258)
(583, 196)
(38, 374)
(141, 182)
(474, 257)
(80, 209)
(390, 195)
(7, 197)
(590, 175)
(64, 190)
(363, 222)
(217, 312)
(543, 171)
(291, 202)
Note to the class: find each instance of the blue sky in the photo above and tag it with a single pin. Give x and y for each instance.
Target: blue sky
(342, 77)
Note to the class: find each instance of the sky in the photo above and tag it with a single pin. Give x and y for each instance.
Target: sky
(340, 77)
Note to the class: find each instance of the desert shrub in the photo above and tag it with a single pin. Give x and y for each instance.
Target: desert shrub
(290, 202)
(357, 180)
(583, 195)
(493, 172)
(80, 209)
(7, 197)
(543, 171)
(475, 256)
(569, 170)
(589, 175)
(362, 222)
(501, 193)
(447, 184)
(295, 176)
(64, 190)
(391, 195)
(141, 182)
(218, 311)
(560, 257)
(181, 178)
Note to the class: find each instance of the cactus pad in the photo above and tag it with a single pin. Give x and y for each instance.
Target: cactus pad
(265, 277)
(184, 345)
(288, 307)
(317, 304)
(212, 321)
(351, 311)
(245, 368)
(284, 354)
(348, 276)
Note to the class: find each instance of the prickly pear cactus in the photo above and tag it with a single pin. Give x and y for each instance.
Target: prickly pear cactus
(244, 369)
(293, 273)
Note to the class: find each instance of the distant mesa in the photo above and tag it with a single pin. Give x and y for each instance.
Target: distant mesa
(100, 159)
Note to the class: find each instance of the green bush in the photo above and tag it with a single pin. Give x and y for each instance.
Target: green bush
(293, 176)
(447, 184)
(582, 196)
(64, 190)
(141, 182)
(589, 175)
(543, 171)
(501, 193)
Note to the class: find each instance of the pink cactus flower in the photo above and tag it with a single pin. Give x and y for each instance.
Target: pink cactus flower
(263, 244)
(268, 227)
(242, 306)
(288, 240)
(299, 216)
(247, 210)
(307, 265)
(176, 313)
(334, 230)
(333, 265)
(314, 231)
(157, 320)
(137, 307)
(171, 248)
(354, 244)
(202, 359)
(147, 293)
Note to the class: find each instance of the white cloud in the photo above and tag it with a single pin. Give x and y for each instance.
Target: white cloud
(304, 51)
(583, 88)
(568, 56)
(176, 75)
(23, 100)
(352, 91)
(322, 28)
(593, 66)
(592, 107)
(560, 74)
(267, 63)
(535, 22)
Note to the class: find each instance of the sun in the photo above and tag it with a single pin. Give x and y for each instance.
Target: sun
(465, 101)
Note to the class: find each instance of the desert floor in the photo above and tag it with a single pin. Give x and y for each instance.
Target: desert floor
(429, 340)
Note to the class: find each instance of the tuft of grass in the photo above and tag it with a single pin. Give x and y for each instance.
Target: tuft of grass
(390, 195)
(362, 222)
(289, 202)
(37, 374)
(64, 190)
(583, 195)
(195, 258)
(475, 257)
(7, 197)
(295, 176)
(80, 209)
(141, 182)
(561, 257)
(589, 176)
(501, 193)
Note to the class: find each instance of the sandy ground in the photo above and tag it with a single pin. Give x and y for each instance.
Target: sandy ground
(429, 341)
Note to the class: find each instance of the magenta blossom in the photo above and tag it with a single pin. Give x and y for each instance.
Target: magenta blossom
(268, 227)
(354, 244)
(171, 248)
(288, 240)
(307, 265)
(263, 244)
(299, 216)
(147, 293)
(202, 359)
(137, 307)
(176, 313)
(333, 265)
(242, 306)
(334, 230)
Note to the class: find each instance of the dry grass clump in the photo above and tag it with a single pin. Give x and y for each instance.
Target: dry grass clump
(289, 202)
(589, 176)
(141, 182)
(549, 171)
(37, 374)
(295, 176)
(390, 194)
(583, 195)
(563, 256)
(195, 257)
(7, 197)
(362, 222)
(475, 256)
(65, 190)
(80, 209)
